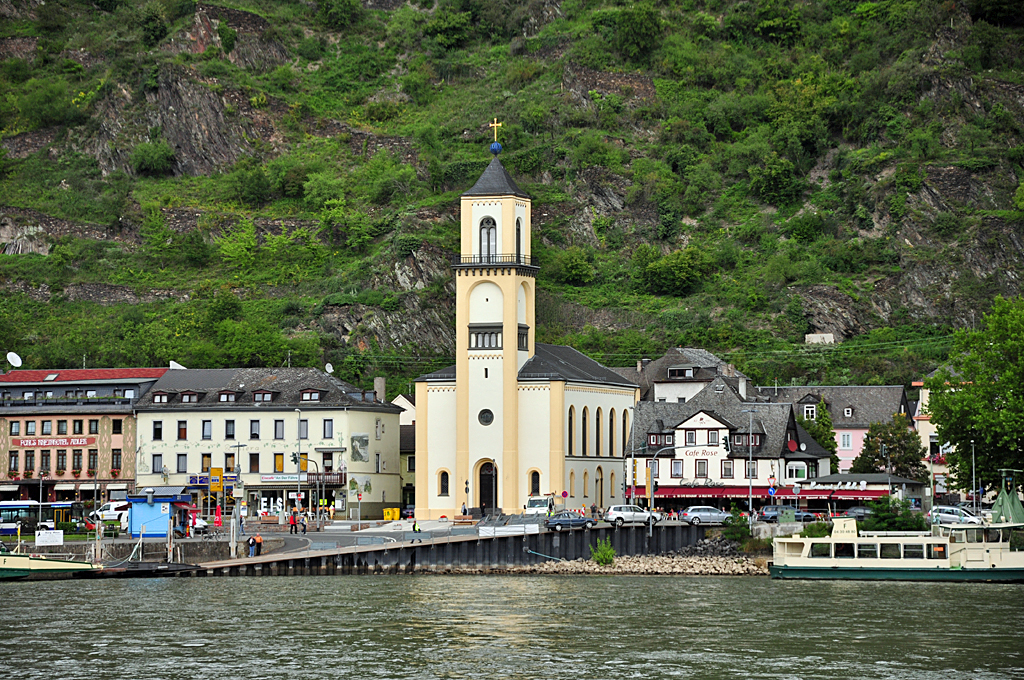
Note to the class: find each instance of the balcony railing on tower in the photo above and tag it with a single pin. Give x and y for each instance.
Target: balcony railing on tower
(479, 260)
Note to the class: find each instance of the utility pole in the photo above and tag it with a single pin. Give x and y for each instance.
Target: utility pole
(750, 464)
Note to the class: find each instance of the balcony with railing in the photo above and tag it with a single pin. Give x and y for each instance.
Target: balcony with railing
(327, 478)
(514, 260)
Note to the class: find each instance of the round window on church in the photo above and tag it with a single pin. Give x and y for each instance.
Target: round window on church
(486, 417)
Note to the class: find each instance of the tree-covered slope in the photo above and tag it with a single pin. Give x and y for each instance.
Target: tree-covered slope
(253, 182)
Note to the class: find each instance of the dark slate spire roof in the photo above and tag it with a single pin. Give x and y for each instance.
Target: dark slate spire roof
(495, 181)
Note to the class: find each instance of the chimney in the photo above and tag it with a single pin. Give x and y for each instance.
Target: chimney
(730, 370)
(380, 388)
(743, 387)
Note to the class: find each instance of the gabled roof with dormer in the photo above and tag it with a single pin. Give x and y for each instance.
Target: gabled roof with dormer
(870, 403)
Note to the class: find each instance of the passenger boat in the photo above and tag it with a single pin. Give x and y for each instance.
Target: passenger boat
(33, 567)
(946, 553)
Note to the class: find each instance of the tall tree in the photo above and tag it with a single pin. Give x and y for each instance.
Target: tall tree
(821, 431)
(976, 400)
(902, 450)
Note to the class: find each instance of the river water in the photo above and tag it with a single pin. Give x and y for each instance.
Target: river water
(509, 627)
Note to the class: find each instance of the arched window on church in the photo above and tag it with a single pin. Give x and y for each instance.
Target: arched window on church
(625, 432)
(534, 483)
(597, 433)
(572, 431)
(584, 439)
(572, 484)
(488, 239)
(586, 483)
(612, 487)
(519, 240)
(611, 432)
(443, 484)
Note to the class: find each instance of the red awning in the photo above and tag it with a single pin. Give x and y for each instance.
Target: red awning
(758, 492)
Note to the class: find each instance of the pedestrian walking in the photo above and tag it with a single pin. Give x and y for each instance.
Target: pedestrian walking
(293, 523)
(252, 546)
(259, 544)
(593, 510)
(241, 524)
(415, 526)
(303, 522)
(463, 509)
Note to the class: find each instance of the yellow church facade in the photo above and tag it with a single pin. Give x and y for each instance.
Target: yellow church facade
(513, 419)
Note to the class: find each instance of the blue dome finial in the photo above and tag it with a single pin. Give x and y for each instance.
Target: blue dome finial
(495, 148)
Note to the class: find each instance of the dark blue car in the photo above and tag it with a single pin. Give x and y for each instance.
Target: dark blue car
(569, 520)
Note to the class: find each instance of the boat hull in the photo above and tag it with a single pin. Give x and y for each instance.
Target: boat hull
(1014, 575)
(14, 566)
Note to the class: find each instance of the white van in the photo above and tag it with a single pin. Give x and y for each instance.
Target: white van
(539, 505)
(114, 511)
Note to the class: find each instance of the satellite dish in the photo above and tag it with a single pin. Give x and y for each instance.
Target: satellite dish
(14, 359)
(175, 366)
(329, 368)
(803, 447)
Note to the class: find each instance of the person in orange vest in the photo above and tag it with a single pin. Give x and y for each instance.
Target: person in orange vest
(259, 544)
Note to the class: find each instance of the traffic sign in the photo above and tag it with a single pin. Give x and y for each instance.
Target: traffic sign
(359, 496)
(565, 494)
(771, 490)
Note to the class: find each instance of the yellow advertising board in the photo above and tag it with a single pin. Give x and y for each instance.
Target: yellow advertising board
(216, 479)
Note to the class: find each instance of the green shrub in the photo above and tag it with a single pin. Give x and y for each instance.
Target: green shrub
(816, 530)
(946, 224)
(339, 14)
(152, 158)
(311, 48)
(228, 36)
(450, 29)
(604, 553)
(390, 303)
(736, 527)
(153, 24)
(250, 185)
(47, 102)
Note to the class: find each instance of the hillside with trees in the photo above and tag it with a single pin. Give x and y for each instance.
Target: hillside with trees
(258, 182)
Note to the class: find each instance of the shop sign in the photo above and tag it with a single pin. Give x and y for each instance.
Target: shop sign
(216, 479)
(700, 482)
(269, 505)
(702, 452)
(60, 441)
(198, 480)
(279, 478)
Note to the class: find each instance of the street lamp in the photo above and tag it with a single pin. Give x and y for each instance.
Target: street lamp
(298, 462)
(974, 481)
(750, 463)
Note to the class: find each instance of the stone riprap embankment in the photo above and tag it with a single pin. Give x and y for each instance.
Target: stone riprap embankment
(657, 565)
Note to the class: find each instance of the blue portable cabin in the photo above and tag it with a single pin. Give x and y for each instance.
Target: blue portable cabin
(151, 508)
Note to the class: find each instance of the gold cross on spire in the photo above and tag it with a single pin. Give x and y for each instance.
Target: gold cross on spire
(495, 125)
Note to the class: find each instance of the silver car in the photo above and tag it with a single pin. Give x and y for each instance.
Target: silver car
(620, 514)
(947, 514)
(703, 514)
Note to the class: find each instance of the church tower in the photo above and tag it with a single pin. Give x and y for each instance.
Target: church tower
(495, 278)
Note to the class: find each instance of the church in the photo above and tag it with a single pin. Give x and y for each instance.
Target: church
(513, 419)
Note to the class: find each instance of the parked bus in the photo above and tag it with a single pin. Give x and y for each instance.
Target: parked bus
(30, 513)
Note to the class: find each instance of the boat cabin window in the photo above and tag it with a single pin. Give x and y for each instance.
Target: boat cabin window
(844, 549)
(913, 551)
(821, 550)
(937, 551)
(975, 535)
(890, 551)
(867, 550)
(957, 537)
(993, 535)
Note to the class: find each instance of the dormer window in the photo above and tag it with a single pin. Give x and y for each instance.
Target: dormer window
(810, 411)
(227, 396)
(262, 396)
(310, 395)
(848, 412)
(680, 372)
(189, 398)
(160, 398)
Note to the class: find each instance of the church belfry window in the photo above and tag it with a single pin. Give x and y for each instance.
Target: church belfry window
(488, 239)
(519, 240)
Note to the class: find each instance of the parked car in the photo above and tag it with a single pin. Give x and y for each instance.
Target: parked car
(567, 519)
(858, 512)
(111, 512)
(620, 514)
(947, 514)
(771, 513)
(408, 512)
(703, 514)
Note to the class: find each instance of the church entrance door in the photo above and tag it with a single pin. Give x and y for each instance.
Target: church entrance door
(488, 487)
